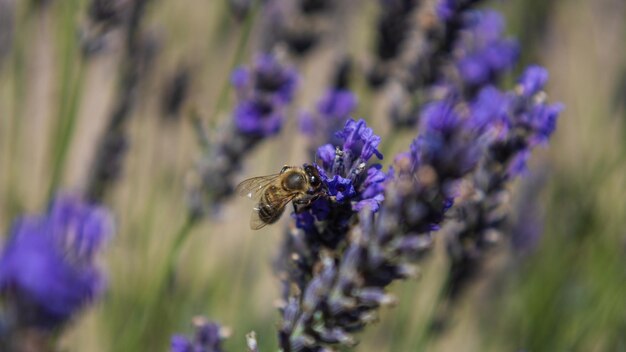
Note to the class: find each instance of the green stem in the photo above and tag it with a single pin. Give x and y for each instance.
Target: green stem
(166, 276)
(236, 60)
(174, 253)
(425, 335)
(72, 77)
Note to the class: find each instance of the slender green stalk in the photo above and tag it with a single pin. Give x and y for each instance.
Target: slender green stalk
(24, 33)
(72, 78)
(240, 50)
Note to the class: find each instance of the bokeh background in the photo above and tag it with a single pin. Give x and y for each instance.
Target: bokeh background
(564, 293)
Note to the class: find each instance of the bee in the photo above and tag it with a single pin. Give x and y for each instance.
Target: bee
(302, 185)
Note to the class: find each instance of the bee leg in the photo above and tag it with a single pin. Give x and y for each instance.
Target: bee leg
(299, 204)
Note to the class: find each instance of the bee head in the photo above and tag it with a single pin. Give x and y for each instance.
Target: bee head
(313, 176)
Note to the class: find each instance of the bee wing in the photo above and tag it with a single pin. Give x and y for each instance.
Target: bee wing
(276, 208)
(253, 187)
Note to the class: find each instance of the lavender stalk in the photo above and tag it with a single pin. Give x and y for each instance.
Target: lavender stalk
(483, 218)
(336, 286)
(108, 161)
(264, 92)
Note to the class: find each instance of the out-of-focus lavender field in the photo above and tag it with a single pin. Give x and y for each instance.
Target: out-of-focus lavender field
(134, 108)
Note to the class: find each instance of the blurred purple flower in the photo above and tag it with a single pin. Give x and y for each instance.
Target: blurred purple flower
(482, 55)
(263, 91)
(533, 80)
(257, 118)
(48, 269)
(481, 221)
(208, 337)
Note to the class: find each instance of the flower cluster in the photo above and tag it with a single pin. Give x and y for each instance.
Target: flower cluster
(263, 92)
(208, 337)
(481, 219)
(456, 35)
(351, 183)
(481, 54)
(47, 269)
(346, 286)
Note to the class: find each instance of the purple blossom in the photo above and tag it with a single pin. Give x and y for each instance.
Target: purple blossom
(530, 122)
(358, 139)
(348, 164)
(445, 9)
(482, 55)
(263, 92)
(533, 80)
(445, 121)
(257, 118)
(47, 268)
(351, 183)
(208, 337)
(347, 287)
(340, 188)
(337, 103)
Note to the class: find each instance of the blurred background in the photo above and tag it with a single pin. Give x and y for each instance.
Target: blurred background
(60, 69)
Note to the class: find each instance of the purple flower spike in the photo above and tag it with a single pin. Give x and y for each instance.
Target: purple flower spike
(359, 138)
(482, 52)
(263, 92)
(337, 103)
(257, 118)
(48, 269)
(208, 337)
(271, 77)
(533, 80)
(341, 188)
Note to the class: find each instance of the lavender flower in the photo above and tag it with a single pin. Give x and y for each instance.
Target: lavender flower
(464, 48)
(481, 54)
(207, 338)
(440, 41)
(351, 183)
(106, 166)
(483, 217)
(47, 269)
(263, 92)
(346, 286)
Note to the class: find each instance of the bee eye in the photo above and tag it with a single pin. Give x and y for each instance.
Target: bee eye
(314, 181)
